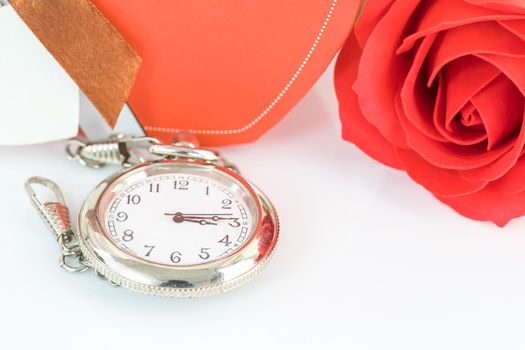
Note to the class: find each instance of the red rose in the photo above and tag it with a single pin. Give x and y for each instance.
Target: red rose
(436, 88)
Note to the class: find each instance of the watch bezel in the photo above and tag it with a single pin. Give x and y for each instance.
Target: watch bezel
(127, 270)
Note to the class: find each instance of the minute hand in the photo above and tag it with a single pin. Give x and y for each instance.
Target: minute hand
(206, 215)
(209, 216)
(212, 217)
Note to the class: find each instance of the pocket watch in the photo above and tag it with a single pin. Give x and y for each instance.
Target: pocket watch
(182, 224)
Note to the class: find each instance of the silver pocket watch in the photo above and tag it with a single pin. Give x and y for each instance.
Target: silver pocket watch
(183, 224)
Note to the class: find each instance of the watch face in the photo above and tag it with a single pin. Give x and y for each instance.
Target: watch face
(178, 213)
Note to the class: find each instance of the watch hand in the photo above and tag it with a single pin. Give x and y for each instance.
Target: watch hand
(206, 215)
(214, 218)
(202, 222)
(178, 217)
(200, 215)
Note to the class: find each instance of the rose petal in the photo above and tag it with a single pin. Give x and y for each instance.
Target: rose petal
(440, 15)
(515, 6)
(512, 182)
(467, 111)
(439, 181)
(418, 100)
(473, 39)
(451, 130)
(512, 67)
(500, 105)
(448, 155)
(356, 128)
(470, 117)
(463, 78)
(502, 166)
(381, 71)
(515, 27)
(371, 13)
(452, 156)
(489, 204)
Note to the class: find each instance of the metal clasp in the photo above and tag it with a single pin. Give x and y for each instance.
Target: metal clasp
(126, 150)
(116, 150)
(58, 224)
(56, 215)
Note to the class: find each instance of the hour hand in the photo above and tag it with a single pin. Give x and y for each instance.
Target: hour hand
(178, 217)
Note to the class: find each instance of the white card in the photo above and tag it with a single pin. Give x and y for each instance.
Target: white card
(39, 102)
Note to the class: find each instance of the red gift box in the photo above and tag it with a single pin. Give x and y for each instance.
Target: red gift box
(226, 70)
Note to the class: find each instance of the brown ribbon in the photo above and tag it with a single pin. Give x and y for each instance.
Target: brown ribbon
(87, 46)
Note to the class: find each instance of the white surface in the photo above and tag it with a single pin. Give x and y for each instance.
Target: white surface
(367, 260)
(38, 100)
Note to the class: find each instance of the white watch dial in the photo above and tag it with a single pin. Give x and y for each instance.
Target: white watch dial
(179, 217)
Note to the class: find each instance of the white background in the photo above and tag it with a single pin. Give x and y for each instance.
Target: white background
(367, 260)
